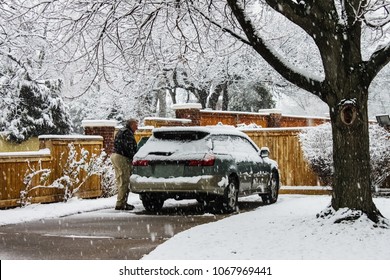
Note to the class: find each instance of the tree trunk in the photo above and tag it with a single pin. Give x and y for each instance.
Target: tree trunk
(162, 102)
(220, 90)
(172, 93)
(213, 98)
(225, 97)
(351, 158)
(201, 95)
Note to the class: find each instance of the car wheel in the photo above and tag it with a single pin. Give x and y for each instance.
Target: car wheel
(273, 194)
(205, 199)
(230, 197)
(152, 202)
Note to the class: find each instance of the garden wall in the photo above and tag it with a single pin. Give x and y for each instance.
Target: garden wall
(264, 118)
(31, 144)
(52, 154)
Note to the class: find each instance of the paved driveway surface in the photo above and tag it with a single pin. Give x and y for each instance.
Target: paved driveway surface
(104, 234)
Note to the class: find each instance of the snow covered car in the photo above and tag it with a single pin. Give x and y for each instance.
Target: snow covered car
(216, 163)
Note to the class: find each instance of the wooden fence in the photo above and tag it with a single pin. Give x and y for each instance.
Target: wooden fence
(31, 144)
(286, 149)
(53, 153)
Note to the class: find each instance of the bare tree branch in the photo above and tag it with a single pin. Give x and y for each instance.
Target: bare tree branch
(225, 29)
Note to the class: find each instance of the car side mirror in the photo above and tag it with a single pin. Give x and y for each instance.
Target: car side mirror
(264, 152)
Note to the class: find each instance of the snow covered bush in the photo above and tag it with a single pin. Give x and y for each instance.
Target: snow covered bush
(380, 155)
(317, 148)
(42, 173)
(107, 179)
(75, 171)
(30, 108)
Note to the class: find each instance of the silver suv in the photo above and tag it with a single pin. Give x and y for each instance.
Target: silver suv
(206, 163)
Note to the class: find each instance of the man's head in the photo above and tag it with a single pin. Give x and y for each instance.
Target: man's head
(132, 124)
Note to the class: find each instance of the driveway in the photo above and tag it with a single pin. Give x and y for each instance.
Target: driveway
(104, 234)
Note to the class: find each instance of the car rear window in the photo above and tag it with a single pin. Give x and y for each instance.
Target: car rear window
(180, 135)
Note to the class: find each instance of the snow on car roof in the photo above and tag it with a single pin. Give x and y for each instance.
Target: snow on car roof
(196, 146)
(214, 130)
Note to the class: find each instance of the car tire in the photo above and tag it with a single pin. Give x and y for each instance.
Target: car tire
(273, 194)
(206, 199)
(152, 202)
(230, 197)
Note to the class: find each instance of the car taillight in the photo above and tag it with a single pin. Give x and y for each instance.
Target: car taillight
(208, 160)
(141, 162)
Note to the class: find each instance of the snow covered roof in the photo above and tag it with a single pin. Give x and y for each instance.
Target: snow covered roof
(270, 111)
(250, 128)
(168, 119)
(73, 137)
(43, 152)
(98, 123)
(187, 106)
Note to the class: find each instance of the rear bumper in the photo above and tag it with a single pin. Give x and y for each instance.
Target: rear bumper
(206, 184)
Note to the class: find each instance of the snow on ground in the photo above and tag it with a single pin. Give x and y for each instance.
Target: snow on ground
(282, 231)
(74, 206)
(286, 230)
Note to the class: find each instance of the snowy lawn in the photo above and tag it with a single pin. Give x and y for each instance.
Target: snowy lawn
(286, 230)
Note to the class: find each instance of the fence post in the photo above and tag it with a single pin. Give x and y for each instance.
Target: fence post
(104, 128)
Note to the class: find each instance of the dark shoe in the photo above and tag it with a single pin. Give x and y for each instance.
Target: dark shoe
(127, 207)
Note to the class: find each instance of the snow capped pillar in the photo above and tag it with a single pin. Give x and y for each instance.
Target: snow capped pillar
(188, 111)
(274, 118)
(104, 128)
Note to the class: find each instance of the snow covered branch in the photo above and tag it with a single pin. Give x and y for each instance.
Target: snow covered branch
(271, 56)
(377, 61)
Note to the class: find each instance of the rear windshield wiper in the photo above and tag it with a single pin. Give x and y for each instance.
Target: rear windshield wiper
(161, 153)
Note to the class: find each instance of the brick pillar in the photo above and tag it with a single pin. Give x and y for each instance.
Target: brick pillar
(274, 118)
(104, 128)
(188, 111)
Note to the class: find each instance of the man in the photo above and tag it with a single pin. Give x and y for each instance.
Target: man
(125, 147)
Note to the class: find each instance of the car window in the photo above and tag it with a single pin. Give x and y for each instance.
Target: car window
(222, 144)
(240, 148)
(171, 146)
(231, 143)
(180, 135)
(242, 145)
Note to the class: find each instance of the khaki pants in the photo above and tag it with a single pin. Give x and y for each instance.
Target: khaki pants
(123, 168)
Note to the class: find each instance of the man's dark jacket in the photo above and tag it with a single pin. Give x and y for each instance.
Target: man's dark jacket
(125, 143)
